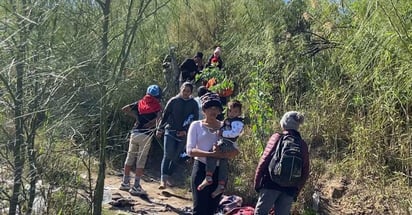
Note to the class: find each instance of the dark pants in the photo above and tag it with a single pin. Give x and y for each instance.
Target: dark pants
(203, 203)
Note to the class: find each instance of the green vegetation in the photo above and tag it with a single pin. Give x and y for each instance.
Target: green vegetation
(67, 67)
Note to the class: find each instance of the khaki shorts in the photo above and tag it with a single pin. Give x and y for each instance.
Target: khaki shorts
(139, 147)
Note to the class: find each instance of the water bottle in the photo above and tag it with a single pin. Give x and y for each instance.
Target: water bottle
(107, 195)
(316, 201)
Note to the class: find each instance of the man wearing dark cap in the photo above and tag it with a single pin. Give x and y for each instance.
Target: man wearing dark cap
(190, 67)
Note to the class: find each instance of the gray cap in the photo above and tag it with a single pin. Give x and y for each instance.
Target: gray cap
(292, 120)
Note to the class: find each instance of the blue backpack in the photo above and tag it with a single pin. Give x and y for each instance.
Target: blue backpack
(285, 167)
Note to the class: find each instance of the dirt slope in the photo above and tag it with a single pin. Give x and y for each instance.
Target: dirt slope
(157, 201)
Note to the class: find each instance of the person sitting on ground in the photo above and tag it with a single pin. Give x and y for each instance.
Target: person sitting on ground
(190, 67)
(230, 131)
(146, 111)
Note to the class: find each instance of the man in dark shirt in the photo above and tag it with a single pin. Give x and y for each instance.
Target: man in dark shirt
(180, 111)
(146, 112)
(190, 67)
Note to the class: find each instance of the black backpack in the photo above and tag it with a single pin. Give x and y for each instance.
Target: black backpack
(285, 167)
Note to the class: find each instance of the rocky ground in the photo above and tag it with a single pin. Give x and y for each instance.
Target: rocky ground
(174, 200)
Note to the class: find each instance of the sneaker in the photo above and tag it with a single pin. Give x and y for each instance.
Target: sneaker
(137, 191)
(162, 185)
(124, 186)
(165, 183)
(169, 183)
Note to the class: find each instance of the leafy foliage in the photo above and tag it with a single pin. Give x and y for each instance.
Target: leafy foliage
(345, 64)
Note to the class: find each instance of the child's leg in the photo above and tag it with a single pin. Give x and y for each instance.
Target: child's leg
(225, 146)
(210, 168)
(222, 177)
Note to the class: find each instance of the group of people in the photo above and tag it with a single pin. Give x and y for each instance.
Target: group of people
(190, 67)
(192, 124)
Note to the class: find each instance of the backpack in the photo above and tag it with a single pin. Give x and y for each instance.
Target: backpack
(285, 167)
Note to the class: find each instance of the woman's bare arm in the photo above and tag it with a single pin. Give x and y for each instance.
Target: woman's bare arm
(195, 152)
(215, 154)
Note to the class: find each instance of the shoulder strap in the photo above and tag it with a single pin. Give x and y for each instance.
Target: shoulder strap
(278, 143)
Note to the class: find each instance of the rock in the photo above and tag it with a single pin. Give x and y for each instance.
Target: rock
(336, 192)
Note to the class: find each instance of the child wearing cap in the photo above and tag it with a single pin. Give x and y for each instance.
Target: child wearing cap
(229, 132)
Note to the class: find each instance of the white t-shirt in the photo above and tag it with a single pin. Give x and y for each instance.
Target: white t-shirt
(202, 138)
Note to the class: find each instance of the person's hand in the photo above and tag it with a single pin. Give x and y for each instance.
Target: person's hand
(257, 188)
(258, 184)
(219, 133)
(159, 133)
(215, 147)
(181, 133)
(218, 154)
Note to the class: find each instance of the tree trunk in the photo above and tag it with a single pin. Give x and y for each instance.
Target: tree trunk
(171, 74)
(104, 69)
(19, 136)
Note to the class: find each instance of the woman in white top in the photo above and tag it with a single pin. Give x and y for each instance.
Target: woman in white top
(201, 138)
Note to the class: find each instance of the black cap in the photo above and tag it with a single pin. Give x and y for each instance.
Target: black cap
(199, 54)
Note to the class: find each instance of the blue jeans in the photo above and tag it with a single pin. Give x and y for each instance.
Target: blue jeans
(269, 198)
(173, 146)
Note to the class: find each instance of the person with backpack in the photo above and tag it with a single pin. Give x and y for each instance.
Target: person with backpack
(201, 140)
(146, 112)
(180, 111)
(283, 168)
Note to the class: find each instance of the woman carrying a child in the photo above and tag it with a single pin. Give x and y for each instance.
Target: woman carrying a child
(201, 139)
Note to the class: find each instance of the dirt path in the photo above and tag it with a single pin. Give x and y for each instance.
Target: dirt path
(175, 200)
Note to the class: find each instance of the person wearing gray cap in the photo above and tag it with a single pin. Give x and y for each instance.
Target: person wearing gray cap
(273, 193)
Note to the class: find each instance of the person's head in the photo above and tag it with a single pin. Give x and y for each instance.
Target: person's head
(202, 90)
(292, 120)
(154, 91)
(211, 105)
(198, 57)
(186, 90)
(217, 51)
(234, 109)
